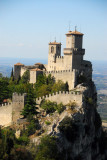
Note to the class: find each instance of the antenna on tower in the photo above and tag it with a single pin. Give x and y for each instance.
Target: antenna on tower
(55, 39)
(80, 28)
(60, 37)
(75, 28)
(69, 25)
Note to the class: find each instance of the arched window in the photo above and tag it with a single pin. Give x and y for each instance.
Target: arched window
(52, 49)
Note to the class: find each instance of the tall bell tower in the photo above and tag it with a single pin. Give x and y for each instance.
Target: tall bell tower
(73, 53)
(54, 51)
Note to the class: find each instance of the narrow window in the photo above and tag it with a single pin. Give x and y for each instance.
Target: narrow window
(52, 49)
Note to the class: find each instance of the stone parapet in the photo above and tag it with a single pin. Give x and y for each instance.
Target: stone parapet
(64, 97)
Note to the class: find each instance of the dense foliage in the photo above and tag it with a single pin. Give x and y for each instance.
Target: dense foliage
(51, 107)
(47, 150)
(12, 148)
(29, 108)
(44, 85)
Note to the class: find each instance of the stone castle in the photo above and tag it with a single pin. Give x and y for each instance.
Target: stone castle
(66, 68)
(82, 136)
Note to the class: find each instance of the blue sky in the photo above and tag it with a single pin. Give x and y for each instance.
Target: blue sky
(27, 26)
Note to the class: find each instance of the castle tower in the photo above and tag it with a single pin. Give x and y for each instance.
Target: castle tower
(18, 103)
(73, 53)
(17, 70)
(54, 51)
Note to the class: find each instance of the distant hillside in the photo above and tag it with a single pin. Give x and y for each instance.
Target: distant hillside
(100, 79)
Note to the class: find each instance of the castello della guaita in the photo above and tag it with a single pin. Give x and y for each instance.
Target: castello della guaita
(66, 68)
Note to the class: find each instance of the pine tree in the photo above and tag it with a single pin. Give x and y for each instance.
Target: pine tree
(12, 72)
(29, 108)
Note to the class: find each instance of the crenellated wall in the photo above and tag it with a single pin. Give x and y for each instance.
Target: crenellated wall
(64, 97)
(66, 76)
(10, 112)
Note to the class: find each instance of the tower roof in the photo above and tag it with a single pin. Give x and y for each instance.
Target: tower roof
(54, 43)
(74, 33)
(18, 64)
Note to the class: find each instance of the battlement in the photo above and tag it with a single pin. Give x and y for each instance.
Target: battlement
(60, 57)
(60, 92)
(17, 97)
(60, 71)
(64, 97)
(5, 104)
(19, 94)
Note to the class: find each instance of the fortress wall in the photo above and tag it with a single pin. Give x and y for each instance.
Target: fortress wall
(65, 76)
(6, 114)
(59, 63)
(67, 62)
(64, 97)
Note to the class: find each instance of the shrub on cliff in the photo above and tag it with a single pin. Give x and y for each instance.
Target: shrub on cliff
(51, 107)
(69, 128)
(47, 150)
(48, 106)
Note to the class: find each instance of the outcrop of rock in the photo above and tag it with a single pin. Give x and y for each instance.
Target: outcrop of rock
(78, 128)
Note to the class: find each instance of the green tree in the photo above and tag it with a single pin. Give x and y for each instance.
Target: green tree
(58, 86)
(4, 91)
(1, 75)
(49, 106)
(12, 72)
(7, 139)
(47, 150)
(29, 108)
(26, 77)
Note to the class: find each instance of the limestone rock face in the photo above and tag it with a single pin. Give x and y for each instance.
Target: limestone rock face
(78, 128)
(86, 141)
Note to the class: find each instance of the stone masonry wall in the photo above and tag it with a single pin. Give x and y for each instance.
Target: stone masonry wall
(65, 76)
(9, 113)
(18, 102)
(64, 97)
(6, 114)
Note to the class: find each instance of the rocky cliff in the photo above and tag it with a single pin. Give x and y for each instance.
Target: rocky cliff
(78, 129)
